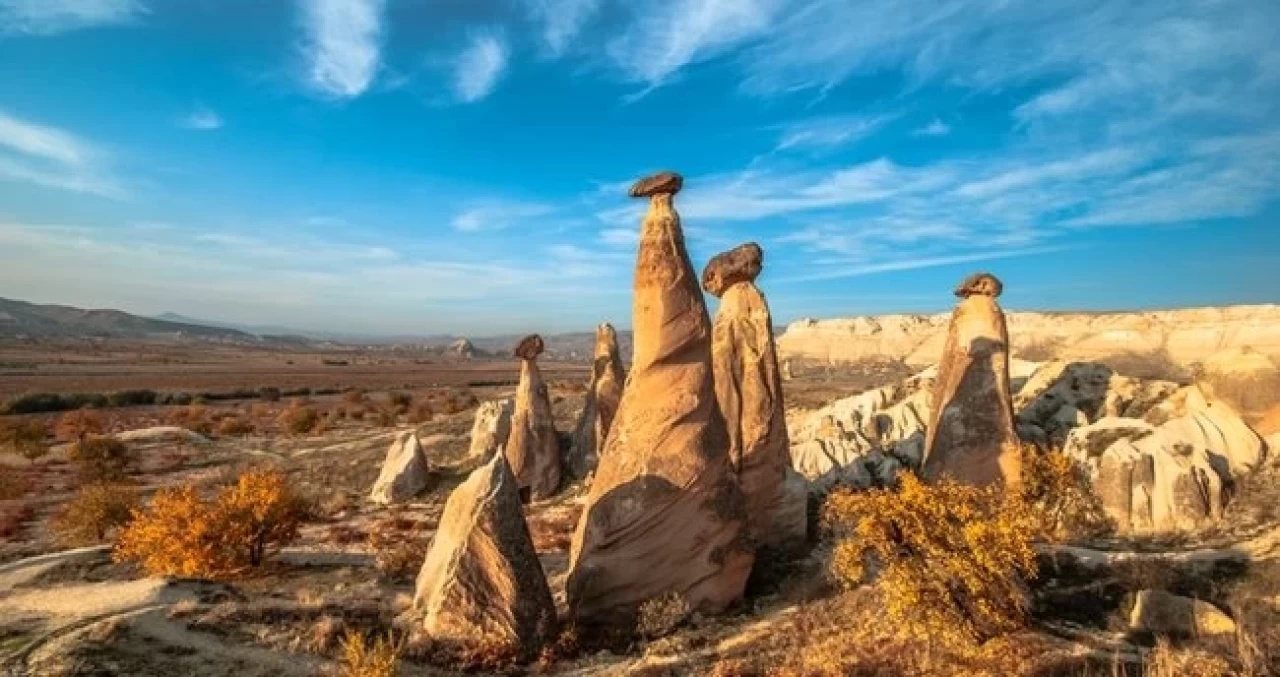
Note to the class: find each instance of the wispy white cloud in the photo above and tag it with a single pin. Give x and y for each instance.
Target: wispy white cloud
(497, 215)
(915, 263)
(50, 17)
(561, 20)
(40, 141)
(53, 158)
(830, 131)
(480, 66)
(202, 119)
(663, 39)
(935, 128)
(343, 44)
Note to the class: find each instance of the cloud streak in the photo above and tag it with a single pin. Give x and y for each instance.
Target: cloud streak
(342, 45)
(53, 158)
(51, 17)
(479, 67)
(202, 119)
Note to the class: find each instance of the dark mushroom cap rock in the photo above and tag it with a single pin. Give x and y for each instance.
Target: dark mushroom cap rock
(529, 347)
(982, 284)
(740, 264)
(662, 182)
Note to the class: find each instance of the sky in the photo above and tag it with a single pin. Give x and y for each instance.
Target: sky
(449, 166)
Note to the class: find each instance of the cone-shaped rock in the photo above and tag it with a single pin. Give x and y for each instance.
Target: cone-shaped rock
(749, 392)
(404, 472)
(664, 514)
(533, 450)
(481, 581)
(972, 435)
(604, 392)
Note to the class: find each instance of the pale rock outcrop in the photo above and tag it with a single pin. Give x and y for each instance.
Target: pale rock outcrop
(1060, 396)
(1185, 336)
(664, 514)
(405, 471)
(748, 389)
(604, 392)
(462, 349)
(1214, 425)
(481, 581)
(1165, 614)
(533, 449)
(972, 437)
(1087, 443)
(491, 427)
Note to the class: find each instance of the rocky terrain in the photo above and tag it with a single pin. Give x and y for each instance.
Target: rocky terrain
(681, 518)
(1183, 336)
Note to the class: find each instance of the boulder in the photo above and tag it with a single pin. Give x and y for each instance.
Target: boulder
(664, 514)
(748, 389)
(1165, 614)
(1087, 443)
(481, 582)
(1214, 425)
(491, 428)
(533, 448)
(405, 471)
(1159, 484)
(604, 392)
(972, 437)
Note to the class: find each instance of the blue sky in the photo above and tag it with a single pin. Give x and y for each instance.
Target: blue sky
(422, 166)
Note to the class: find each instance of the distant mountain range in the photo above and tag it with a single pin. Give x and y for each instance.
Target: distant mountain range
(20, 319)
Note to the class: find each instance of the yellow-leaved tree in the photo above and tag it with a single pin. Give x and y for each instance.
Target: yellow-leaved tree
(951, 559)
(184, 534)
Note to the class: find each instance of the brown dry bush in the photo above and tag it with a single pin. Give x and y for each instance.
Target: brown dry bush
(951, 559)
(299, 420)
(385, 417)
(94, 513)
(79, 424)
(26, 438)
(399, 401)
(422, 413)
(661, 616)
(183, 534)
(1167, 660)
(235, 426)
(353, 396)
(194, 417)
(101, 459)
(13, 516)
(362, 657)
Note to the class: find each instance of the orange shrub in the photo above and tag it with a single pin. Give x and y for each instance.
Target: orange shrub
(1058, 488)
(950, 558)
(182, 534)
(234, 425)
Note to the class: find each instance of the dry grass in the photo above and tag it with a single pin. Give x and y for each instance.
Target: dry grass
(78, 424)
(101, 459)
(362, 657)
(235, 426)
(300, 420)
(27, 438)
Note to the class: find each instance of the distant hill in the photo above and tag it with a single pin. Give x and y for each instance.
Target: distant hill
(22, 319)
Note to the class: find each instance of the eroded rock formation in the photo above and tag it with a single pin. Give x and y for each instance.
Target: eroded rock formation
(604, 393)
(749, 392)
(491, 427)
(481, 581)
(972, 437)
(405, 471)
(532, 449)
(664, 514)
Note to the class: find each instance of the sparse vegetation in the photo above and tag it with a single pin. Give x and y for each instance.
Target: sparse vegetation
(300, 420)
(94, 513)
(183, 534)
(235, 426)
(421, 413)
(101, 459)
(660, 616)
(353, 396)
(399, 401)
(26, 438)
(951, 559)
(362, 657)
(78, 424)
(1059, 490)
